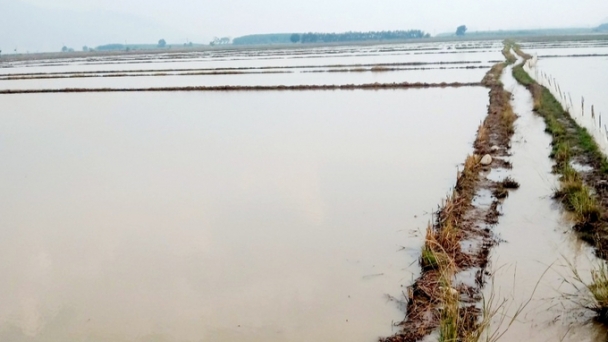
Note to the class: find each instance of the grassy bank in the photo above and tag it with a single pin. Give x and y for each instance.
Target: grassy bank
(506, 51)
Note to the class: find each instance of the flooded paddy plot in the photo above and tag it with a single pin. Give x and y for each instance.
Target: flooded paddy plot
(573, 80)
(566, 48)
(412, 63)
(252, 57)
(481, 52)
(274, 79)
(220, 216)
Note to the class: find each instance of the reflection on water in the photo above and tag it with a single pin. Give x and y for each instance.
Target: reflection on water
(220, 217)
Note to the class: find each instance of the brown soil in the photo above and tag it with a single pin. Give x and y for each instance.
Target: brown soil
(473, 223)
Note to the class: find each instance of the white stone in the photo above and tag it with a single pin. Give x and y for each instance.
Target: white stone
(495, 148)
(486, 160)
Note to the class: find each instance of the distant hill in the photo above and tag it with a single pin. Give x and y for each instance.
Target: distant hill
(602, 28)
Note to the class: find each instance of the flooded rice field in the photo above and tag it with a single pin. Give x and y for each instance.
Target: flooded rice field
(278, 79)
(436, 63)
(293, 215)
(265, 216)
(268, 57)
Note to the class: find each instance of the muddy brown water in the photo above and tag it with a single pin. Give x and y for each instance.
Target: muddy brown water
(538, 239)
(220, 217)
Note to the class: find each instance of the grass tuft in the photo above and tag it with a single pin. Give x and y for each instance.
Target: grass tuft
(510, 183)
(592, 295)
(578, 198)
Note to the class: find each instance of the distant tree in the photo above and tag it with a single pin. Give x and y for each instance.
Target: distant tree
(64, 49)
(162, 43)
(461, 30)
(85, 48)
(294, 38)
(428, 35)
(110, 47)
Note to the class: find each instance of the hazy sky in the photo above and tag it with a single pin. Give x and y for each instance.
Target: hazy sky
(201, 20)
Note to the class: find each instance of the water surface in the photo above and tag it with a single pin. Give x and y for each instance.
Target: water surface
(256, 216)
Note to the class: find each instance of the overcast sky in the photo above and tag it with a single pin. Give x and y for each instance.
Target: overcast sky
(200, 20)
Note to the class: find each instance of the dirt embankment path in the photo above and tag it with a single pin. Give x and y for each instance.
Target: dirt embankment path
(456, 252)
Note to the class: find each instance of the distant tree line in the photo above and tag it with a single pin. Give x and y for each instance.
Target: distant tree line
(311, 37)
(111, 47)
(361, 36)
(262, 39)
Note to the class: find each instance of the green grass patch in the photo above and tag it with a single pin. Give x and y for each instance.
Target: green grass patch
(522, 76)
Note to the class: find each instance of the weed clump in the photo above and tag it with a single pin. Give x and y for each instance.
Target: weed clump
(592, 295)
(502, 188)
(599, 290)
(510, 183)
